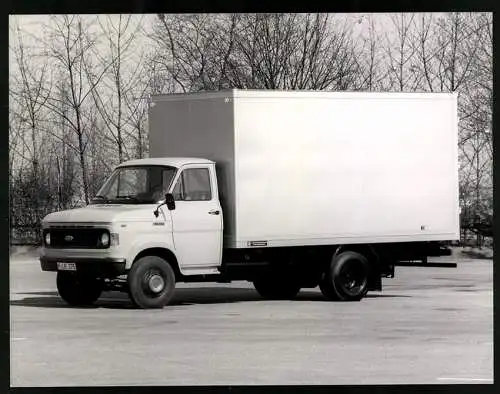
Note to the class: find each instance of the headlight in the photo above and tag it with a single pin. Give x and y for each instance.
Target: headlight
(105, 239)
(47, 239)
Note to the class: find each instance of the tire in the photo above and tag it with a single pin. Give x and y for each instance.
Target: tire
(346, 278)
(275, 288)
(327, 290)
(151, 282)
(78, 290)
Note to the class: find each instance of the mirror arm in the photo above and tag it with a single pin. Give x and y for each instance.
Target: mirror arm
(156, 212)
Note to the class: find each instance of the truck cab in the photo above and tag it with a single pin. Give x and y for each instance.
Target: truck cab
(164, 211)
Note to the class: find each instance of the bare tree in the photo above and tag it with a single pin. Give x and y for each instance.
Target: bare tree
(302, 52)
(30, 84)
(401, 54)
(456, 42)
(155, 80)
(18, 145)
(465, 66)
(70, 45)
(138, 110)
(446, 49)
(478, 109)
(113, 95)
(32, 92)
(15, 158)
(65, 148)
(189, 49)
(271, 51)
(425, 47)
(476, 122)
(369, 58)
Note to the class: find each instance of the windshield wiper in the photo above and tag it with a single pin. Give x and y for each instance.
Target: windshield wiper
(136, 199)
(129, 197)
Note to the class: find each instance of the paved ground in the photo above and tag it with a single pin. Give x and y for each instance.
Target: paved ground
(428, 326)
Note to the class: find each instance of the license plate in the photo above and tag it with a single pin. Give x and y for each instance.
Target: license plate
(66, 266)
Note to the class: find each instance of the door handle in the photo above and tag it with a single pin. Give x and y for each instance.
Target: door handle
(214, 212)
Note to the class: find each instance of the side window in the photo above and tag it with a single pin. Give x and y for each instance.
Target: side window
(178, 191)
(193, 185)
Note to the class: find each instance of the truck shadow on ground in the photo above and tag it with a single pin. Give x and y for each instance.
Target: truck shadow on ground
(183, 297)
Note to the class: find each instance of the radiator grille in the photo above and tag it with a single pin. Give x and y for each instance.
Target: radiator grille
(75, 238)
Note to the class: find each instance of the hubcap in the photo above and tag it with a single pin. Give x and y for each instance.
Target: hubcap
(353, 277)
(156, 283)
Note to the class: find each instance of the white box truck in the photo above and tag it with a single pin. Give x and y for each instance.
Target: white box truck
(286, 189)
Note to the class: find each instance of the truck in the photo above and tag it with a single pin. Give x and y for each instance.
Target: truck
(284, 189)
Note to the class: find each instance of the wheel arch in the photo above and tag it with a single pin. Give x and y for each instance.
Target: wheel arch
(165, 254)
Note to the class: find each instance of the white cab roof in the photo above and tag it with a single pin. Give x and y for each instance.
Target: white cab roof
(167, 161)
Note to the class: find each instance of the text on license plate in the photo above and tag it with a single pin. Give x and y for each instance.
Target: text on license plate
(66, 266)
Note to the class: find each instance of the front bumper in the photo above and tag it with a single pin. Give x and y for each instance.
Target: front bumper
(106, 267)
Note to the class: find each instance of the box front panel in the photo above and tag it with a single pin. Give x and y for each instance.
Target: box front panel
(202, 127)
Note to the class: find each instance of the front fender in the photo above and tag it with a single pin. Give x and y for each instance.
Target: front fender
(142, 243)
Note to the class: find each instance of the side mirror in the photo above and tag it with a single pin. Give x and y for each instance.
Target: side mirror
(170, 201)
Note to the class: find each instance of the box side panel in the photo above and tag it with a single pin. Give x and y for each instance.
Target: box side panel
(202, 128)
(336, 170)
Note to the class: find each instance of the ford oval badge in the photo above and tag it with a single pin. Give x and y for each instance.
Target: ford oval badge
(68, 238)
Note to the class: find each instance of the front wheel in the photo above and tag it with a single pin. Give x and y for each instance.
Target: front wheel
(346, 278)
(151, 282)
(77, 289)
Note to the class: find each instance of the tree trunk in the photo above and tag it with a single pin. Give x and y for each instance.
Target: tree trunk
(81, 151)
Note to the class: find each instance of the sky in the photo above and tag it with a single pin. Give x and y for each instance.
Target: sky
(33, 23)
(34, 27)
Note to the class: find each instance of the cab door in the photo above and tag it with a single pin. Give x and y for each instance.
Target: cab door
(197, 218)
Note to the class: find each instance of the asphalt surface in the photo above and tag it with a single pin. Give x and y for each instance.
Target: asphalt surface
(428, 326)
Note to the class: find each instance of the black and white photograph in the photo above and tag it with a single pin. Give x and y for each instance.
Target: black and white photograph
(250, 199)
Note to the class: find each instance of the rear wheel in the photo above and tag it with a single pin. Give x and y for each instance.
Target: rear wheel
(346, 278)
(77, 289)
(327, 290)
(275, 288)
(151, 282)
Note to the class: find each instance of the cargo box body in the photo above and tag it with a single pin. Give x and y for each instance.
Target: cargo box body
(318, 168)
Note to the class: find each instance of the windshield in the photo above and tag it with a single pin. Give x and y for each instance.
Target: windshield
(136, 185)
